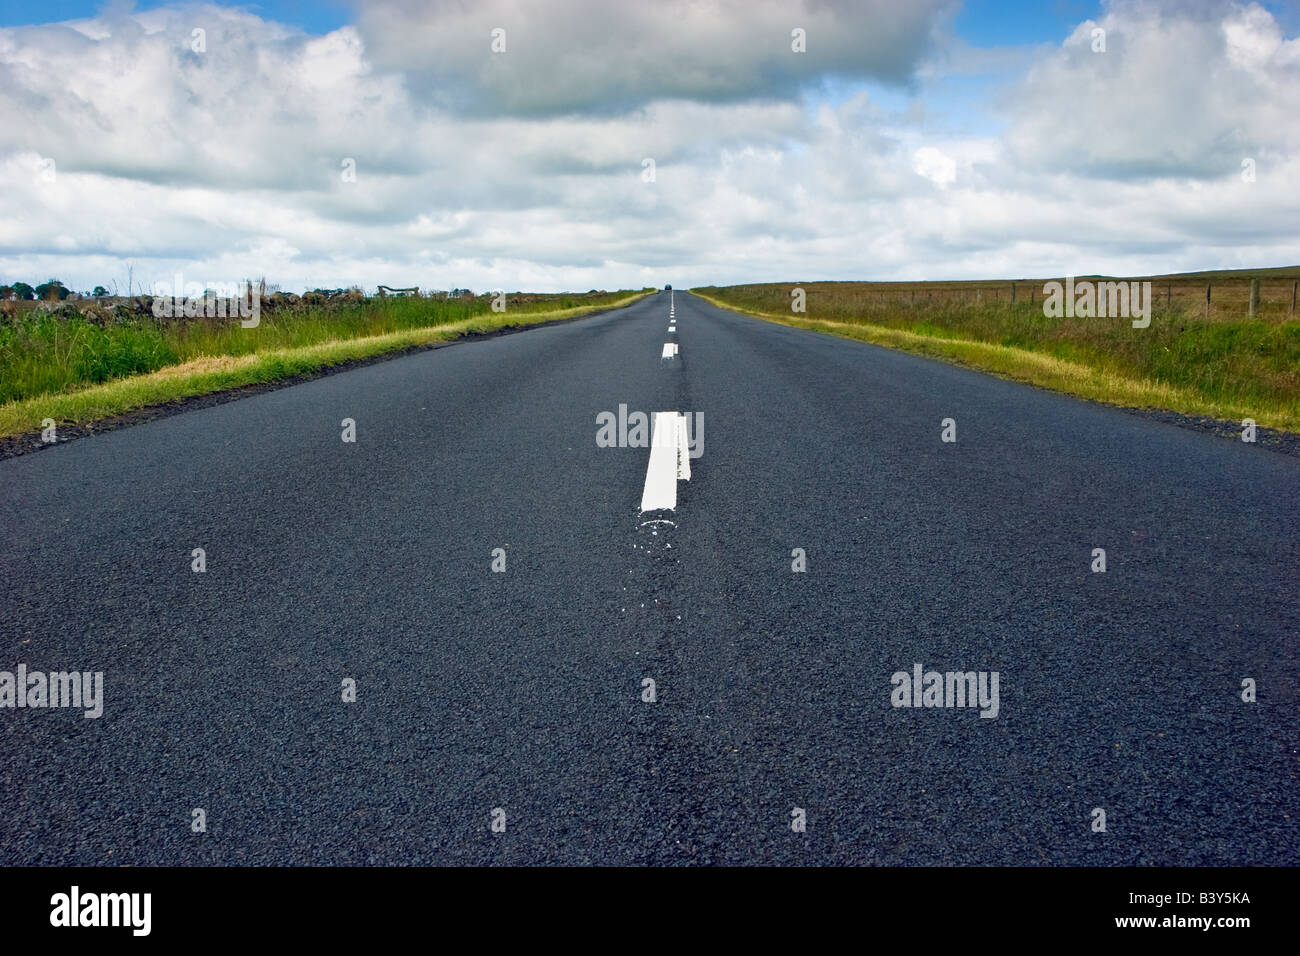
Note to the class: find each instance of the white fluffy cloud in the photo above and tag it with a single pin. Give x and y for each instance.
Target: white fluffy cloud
(524, 169)
(578, 55)
(1182, 89)
(934, 165)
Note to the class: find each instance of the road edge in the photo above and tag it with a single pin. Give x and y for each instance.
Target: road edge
(26, 443)
(1277, 440)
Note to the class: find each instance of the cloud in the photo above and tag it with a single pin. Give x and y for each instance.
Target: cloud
(227, 163)
(934, 165)
(127, 95)
(575, 55)
(1182, 89)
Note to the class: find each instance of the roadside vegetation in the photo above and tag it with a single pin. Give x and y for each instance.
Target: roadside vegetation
(83, 360)
(1224, 364)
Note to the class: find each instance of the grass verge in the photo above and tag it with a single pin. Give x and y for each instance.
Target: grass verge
(214, 373)
(1072, 377)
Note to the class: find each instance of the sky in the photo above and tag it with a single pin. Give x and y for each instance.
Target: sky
(622, 145)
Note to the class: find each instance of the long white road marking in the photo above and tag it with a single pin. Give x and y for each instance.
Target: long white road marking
(670, 461)
(670, 351)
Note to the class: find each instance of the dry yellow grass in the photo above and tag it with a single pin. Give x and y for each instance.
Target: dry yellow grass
(1037, 368)
(221, 372)
(201, 366)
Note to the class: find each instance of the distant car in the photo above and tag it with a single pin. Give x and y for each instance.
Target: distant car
(668, 288)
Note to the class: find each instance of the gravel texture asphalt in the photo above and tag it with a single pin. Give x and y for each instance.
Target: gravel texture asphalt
(522, 690)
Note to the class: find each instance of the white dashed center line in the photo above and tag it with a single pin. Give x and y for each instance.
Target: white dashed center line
(670, 460)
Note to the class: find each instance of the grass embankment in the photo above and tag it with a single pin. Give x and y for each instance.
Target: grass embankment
(1224, 366)
(73, 370)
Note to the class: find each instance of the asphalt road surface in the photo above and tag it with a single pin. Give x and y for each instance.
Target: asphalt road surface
(486, 696)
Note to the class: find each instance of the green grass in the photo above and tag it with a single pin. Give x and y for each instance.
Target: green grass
(1225, 366)
(42, 353)
(71, 370)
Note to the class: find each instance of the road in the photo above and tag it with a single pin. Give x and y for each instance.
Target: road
(521, 691)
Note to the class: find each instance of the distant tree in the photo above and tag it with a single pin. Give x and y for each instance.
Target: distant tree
(99, 291)
(23, 291)
(6, 293)
(51, 290)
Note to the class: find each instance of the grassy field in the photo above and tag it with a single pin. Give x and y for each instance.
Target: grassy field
(1223, 364)
(72, 368)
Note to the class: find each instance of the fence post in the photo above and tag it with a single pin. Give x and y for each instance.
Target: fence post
(1207, 300)
(1293, 288)
(1254, 297)
(1013, 293)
